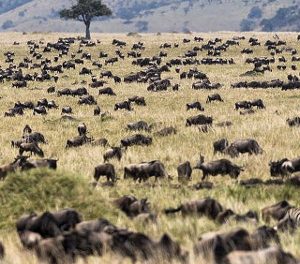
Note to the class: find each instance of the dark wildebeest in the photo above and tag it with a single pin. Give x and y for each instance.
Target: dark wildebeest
(214, 97)
(32, 147)
(295, 121)
(78, 141)
(258, 103)
(137, 139)
(199, 120)
(131, 206)
(220, 145)
(97, 110)
(184, 171)
(195, 105)
(166, 131)
(107, 170)
(145, 170)
(140, 125)
(82, 130)
(27, 164)
(229, 215)
(107, 91)
(2, 251)
(137, 100)
(243, 105)
(123, 105)
(217, 246)
(208, 207)
(243, 146)
(114, 152)
(218, 167)
(66, 110)
(284, 167)
(41, 110)
(276, 211)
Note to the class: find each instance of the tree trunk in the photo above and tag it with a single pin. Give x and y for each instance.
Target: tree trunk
(87, 30)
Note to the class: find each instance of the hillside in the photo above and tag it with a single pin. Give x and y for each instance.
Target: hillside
(154, 16)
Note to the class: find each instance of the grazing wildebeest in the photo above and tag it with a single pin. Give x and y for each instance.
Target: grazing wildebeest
(131, 206)
(284, 167)
(199, 120)
(78, 141)
(36, 137)
(66, 110)
(107, 91)
(88, 100)
(145, 170)
(195, 105)
(295, 121)
(218, 167)
(243, 105)
(137, 100)
(166, 131)
(137, 139)
(276, 211)
(258, 103)
(114, 152)
(220, 145)
(217, 246)
(32, 147)
(214, 97)
(243, 146)
(140, 125)
(123, 105)
(107, 170)
(41, 110)
(28, 164)
(184, 171)
(205, 207)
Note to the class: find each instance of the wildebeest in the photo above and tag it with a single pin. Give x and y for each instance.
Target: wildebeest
(137, 139)
(243, 146)
(114, 152)
(199, 120)
(78, 141)
(107, 91)
(284, 167)
(2, 251)
(82, 130)
(66, 110)
(107, 170)
(218, 167)
(195, 105)
(88, 100)
(295, 121)
(276, 211)
(220, 145)
(243, 105)
(137, 100)
(131, 206)
(41, 110)
(145, 170)
(208, 207)
(123, 105)
(258, 103)
(214, 97)
(32, 147)
(140, 125)
(184, 171)
(166, 131)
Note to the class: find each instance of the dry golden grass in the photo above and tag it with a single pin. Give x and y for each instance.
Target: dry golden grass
(267, 127)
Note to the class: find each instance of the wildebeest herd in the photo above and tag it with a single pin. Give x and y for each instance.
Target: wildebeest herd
(129, 110)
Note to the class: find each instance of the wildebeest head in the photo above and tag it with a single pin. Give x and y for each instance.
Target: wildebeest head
(275, 167)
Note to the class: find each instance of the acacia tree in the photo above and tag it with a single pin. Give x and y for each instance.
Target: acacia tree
(85, 11)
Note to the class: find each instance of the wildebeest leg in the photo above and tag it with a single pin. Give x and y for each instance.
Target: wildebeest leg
(204, 176)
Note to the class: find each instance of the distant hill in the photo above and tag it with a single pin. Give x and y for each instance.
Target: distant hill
(156, 16)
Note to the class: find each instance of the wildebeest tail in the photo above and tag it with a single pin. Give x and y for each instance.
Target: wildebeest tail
(172, 210)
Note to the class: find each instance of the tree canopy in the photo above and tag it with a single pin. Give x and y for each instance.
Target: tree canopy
(85, 11)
